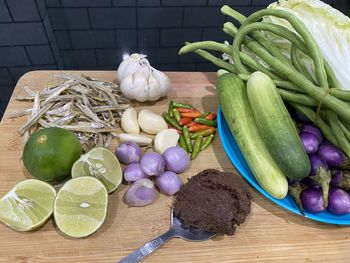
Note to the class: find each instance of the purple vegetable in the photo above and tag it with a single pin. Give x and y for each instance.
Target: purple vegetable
(310, 128)
(316, 162)
(152, 163)
(339, 201)
(312, 200)
(128, 152)
(169, 183)
(334, 157)
(309, 141)
(341, 179)
(176, 159)
(141, 193)
(320, 174)
(133, 172)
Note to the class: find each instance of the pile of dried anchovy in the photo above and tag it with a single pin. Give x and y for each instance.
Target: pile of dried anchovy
(88, 107)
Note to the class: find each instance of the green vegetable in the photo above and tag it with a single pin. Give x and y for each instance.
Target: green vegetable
(205, 121)
(187, 137)
(330, 29)
(177, 115)
(171, 121)
(232, 91)
(276, 127)
(207, 142)
(203, 133)
(196, 147)
(182, 105)
(204, 114)
(170, 109)
(182, 143)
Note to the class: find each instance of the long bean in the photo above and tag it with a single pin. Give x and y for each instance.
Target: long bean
(226, 10)
(296, 62)
(211, 45)
(230, 29)
(302, 30)
(285, 70)
(302, 99)
(338, 132)
(217, 61)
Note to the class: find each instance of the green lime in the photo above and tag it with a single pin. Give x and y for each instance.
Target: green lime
(28, 205)
(102, 164)
(81, 206)
(50, 153)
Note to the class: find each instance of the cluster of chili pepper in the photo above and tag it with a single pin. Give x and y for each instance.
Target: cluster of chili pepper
(197, 130)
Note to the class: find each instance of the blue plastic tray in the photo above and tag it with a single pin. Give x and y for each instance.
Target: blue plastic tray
(237, 159)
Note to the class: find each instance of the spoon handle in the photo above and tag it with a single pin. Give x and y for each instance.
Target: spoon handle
(148, 248)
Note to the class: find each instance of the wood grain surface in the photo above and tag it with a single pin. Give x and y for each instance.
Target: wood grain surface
(270, 234)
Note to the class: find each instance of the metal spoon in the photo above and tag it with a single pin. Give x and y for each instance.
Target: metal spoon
(176, 230)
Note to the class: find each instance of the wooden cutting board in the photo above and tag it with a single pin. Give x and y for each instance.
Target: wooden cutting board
(270, 234)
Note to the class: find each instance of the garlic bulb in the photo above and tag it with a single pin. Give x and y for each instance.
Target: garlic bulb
(140, 81)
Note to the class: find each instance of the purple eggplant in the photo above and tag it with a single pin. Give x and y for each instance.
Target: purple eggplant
(334, 157)
(309, 141)
(312, 200)
(341, 179)
(320, 174)
(310, 128)
(339, 201)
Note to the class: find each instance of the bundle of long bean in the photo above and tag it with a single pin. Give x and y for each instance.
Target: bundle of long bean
(318, 98)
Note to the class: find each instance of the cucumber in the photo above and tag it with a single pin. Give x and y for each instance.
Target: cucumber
(233, 99)
(276, 127)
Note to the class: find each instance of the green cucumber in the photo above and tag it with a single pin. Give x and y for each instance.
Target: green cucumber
(233, 99)
(276, 127)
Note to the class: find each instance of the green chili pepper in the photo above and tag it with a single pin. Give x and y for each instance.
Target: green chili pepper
(207, 142)
(177, 115)
(196, 147)
(204, 114)
(203, 133)
(187, 137)
(170, 109)
(205, 121)
(182, 143)
(182, 105)
(171, 121)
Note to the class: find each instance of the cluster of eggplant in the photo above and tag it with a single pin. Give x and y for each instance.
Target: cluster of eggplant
(328, 185)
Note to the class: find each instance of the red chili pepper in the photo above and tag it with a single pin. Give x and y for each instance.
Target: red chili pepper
(198, 127)
(184, 121)
(186, 110)
(191, 123)
(211, 116)
(193, 114)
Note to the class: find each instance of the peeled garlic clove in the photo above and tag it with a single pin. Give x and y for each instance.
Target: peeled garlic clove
(139, 139)
(129, 121)
(151, 122)
(165, 139)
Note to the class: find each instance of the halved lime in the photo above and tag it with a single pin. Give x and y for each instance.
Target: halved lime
(102, 164)
(80, 207)
(28, 205)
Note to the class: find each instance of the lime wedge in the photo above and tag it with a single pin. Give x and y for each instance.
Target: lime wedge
(102, 164)
(80, 207)
(28, 205)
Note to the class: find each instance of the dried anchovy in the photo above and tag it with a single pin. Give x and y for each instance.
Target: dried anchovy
(88, 107)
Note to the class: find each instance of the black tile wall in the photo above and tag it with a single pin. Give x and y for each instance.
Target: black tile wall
(4, 12)
(94, 34)
(24, 10)
(69, 18)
